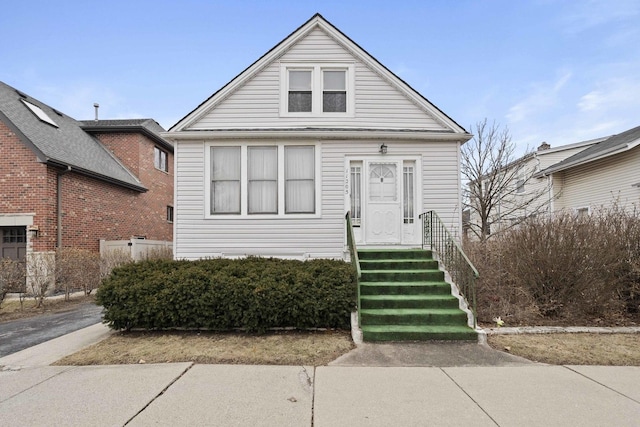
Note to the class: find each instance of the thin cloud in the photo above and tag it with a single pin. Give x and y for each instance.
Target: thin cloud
(543, 96)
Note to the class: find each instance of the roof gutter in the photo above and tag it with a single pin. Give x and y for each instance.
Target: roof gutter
(138, 188)
(143, 130)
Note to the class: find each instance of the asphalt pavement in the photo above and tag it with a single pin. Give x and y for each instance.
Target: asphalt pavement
(16, 335)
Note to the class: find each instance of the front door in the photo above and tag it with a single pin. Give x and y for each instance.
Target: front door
(383, 202)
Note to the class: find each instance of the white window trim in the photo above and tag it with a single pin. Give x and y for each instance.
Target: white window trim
(316, 87)
(244, 204)
(577, 209)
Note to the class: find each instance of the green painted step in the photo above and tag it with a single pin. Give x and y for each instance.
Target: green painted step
(368, 254)
(405, 264)
(402, 275)
(417, 333)
(413, 316)
(405, 288)
(408, 301)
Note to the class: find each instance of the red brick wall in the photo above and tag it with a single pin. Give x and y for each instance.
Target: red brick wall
(91, 209)
(27, 187)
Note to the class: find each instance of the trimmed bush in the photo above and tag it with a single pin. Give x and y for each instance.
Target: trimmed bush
(254, 294)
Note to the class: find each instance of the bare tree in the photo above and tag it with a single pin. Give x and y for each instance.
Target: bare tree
(500, 187)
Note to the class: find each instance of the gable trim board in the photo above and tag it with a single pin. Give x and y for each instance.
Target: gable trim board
(317, 21)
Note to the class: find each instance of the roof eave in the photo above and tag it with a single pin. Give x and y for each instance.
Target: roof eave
(317, 133)
(85, 172)
(137, 128)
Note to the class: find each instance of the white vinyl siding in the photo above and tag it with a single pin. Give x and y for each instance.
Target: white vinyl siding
(377, 103)
(602, 183)
(315, 236)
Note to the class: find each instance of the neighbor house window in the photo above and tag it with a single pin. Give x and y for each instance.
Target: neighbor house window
(225, 180)
(160, 159)
(300, 94)
(262, 180)
(334, 91)
(520, 180)
(299, 175)
(314, 90)
(170, 213)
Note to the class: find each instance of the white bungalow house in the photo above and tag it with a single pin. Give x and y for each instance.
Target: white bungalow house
(270, 163)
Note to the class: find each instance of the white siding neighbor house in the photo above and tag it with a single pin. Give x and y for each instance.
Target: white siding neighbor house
(604, 174)
(270, 163)
(529, 193)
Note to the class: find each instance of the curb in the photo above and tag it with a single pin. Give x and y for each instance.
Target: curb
(563, 330)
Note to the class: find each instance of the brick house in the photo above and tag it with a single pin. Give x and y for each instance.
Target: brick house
(66, 183)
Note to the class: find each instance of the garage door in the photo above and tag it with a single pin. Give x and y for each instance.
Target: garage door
(13, 242)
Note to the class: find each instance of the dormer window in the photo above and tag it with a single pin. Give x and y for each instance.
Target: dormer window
(317, 90)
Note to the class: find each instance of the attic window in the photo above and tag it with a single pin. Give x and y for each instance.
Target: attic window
(39, 113)
(317, 90)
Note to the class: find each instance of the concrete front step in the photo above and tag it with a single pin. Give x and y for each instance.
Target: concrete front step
(413, 316)
(402, 275)
(408, 301)
(393, 264)
(405, 288)
(417, 333)
(367, 254)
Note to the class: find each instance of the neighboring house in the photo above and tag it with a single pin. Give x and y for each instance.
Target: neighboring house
(270, 163)
(527, 193)
(65, 183)
(604, 174)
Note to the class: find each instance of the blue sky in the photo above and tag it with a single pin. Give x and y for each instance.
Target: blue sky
(550, 70)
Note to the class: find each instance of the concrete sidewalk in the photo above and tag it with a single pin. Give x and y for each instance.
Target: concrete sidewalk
(374, 385)
(181, 394)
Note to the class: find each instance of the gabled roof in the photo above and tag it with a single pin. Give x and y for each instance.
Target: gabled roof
(147, 127)
(613, 145)
(314, 22)
(60, 140)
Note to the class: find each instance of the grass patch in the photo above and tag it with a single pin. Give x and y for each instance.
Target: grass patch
(572, 349)
(283, 348)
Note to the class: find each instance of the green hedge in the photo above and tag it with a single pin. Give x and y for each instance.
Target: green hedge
(222, 294)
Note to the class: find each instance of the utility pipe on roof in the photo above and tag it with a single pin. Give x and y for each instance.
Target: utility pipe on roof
(59, 204)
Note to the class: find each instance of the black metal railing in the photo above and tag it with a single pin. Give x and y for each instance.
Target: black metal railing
(437, 237)
(353, 253)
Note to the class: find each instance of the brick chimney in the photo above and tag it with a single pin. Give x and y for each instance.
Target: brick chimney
(544, 146)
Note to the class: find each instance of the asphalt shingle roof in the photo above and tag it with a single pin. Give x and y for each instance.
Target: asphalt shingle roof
(148, 127)
(610, 145)
(65, 145)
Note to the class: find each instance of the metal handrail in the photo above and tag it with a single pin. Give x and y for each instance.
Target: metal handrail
(437, 237)
(353, 253)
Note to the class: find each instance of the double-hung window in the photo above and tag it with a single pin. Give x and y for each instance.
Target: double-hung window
(262, 180)
(299, 176)
(160, 159)
(317, 89)
(225, 180)
(278, 179)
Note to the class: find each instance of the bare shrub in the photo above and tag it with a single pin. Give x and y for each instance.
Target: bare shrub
(40, 275)
(574, 268)
(77, 269)
(12, 277)
(161, 252)
(112, 259)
